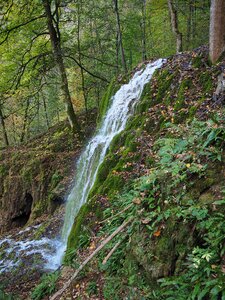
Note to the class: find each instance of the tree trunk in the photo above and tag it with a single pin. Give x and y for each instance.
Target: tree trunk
(189, 24)
(5, 136)
(119, 33)
(217, 30)
(79, 57)
(144, 55)
(174, 25)
(46, 111)
(56, 47)
(117, 53)
(25, 120)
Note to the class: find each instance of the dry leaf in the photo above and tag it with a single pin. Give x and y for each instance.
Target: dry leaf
(145, 221)
(157, 233)
(137, 201)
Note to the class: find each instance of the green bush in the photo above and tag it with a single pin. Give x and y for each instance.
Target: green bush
(46, 286)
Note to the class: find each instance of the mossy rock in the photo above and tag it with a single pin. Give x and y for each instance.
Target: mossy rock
(106, 99)
(164, 81)
(112, 185)
(184, 86)
(198, 61)
(76, 230)
(206, 81)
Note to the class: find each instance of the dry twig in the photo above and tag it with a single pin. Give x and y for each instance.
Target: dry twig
(84, 263)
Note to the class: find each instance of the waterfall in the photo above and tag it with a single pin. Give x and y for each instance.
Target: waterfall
(122, 106)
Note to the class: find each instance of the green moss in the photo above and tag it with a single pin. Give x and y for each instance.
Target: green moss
(197, 62)
(39, 208)
(76, 230)
(192, 111)
(145, 101)
(55, 179)
(31, 169)
(206, 198)
(117, 142)
(206, 82)
(4, 170)
(41, 230)
(109, 162)
(164, 80)
(184, 86)
(135, 122)
(106, 99)
(112, 184)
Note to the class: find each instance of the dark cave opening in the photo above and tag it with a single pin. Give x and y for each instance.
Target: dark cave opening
(23, 216)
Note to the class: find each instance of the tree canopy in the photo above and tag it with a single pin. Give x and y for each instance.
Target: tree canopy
(55, 53)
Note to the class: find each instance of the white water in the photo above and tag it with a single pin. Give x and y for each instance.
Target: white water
(123, 104)
(14, 250)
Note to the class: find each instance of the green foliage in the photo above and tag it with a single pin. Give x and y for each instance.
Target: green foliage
(46, 287)
(106, 99)
(175, 159)
(76, 236)
(4, 296)
(56, 178)
(29, 85)
(206, 82)
(203, 278)
(164, 80)
(183, 87)
(92, 288)
(3, 170)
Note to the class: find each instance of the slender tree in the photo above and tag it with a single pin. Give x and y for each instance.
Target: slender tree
(25, 121)
(217, 29)
(143, 8)
(56, 47)
(174, 26)
(79, 6)
(119, 36)
(2, 120)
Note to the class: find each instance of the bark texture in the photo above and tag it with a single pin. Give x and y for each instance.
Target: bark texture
(119, 36)
(174, 26)
(56, 47)
(2, 121)
(217, 29)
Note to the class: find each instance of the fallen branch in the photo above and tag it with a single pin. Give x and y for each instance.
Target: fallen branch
(119, 213)
(84, 263)
(111, 253)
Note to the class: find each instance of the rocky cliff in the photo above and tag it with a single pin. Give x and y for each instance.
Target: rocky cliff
(34, 178)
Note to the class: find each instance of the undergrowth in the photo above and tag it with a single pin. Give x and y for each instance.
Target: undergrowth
(162, 200)
(4, 296)
(46, 287)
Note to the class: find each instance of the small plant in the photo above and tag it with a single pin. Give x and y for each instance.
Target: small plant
(56, 178)
(4, 296)
(92, 288)
(46, 286)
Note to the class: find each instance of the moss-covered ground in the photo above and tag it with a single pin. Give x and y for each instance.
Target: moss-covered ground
(166, 170)
(166, 173)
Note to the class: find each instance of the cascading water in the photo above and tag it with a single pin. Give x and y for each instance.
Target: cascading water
(122, 107)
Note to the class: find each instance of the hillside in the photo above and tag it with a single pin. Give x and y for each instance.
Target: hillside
(162, 179)
(165, 176)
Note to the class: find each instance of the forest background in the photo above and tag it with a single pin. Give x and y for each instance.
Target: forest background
(57, 52)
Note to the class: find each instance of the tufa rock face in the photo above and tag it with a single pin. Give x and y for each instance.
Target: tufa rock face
(35, 178)
(25, 192)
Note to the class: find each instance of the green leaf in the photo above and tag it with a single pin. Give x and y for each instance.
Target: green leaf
(196, 291)
(203, 293)
(215, 291)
